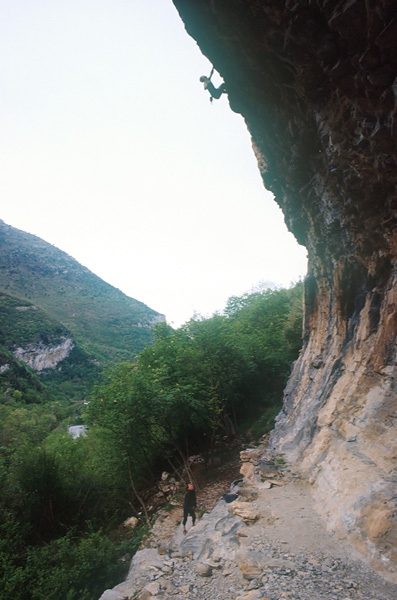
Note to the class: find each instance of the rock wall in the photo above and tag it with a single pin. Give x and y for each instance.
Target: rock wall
(40, 357)
(316, 84)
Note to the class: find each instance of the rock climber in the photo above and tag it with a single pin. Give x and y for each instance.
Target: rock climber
(189, 506)
(208, 85)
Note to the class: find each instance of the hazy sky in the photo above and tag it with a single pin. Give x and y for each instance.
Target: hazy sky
(111, 151)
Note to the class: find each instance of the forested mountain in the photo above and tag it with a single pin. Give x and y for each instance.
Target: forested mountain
(39, 357)
(62, 499)
(164, 395)
(53, 288)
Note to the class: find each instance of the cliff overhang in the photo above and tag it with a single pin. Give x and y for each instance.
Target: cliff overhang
(316, 84)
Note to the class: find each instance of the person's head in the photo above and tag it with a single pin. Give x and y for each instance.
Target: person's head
(190, 486)
(203, 78)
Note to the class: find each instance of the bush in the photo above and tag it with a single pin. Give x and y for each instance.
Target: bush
(265, 423)
(68, 569)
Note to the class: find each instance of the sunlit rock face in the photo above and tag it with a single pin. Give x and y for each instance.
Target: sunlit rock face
(41, 356)
(316, 84)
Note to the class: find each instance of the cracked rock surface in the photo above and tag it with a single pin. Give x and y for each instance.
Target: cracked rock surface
(316, 83)
(277, 547)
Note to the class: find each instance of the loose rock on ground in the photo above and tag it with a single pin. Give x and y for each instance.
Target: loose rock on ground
(268, 544)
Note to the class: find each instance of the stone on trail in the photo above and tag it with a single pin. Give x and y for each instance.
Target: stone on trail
(248, 471)
(251, 595)
(131, 523)
(251, 563)
(268, 544)
(249, 493)
(245, 510)
(143, 562)
(203, 569)
(251, 454)
(153, 588)
(112, 595)
(214, 536)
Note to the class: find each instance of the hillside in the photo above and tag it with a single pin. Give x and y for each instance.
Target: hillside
(29, 336)
(18, 382)
(103, 322)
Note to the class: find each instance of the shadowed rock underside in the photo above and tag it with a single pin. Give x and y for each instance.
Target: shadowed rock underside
(316, 84)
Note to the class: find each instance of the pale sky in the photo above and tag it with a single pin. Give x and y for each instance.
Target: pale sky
(111, 151)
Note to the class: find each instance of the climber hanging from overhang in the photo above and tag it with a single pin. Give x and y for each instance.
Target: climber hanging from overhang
(208, 85)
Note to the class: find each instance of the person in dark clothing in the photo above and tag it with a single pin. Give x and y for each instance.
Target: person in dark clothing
(208, 85)
(189, 506)
(214, 92)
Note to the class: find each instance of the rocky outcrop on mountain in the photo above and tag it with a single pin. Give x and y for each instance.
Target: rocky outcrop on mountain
(104, 322)
(316, 84)
(77, 431)
(41, 356)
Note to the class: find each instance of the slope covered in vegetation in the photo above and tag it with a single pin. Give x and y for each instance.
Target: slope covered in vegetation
(25, 326)
(62, 499)
(103, 321)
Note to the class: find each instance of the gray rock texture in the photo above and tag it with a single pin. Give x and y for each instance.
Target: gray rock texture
(286, 552)
(316, 84)
(41, 356)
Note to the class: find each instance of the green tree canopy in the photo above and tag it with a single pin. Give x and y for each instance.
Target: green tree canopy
(200, 380)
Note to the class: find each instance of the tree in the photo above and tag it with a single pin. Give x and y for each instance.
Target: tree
(196, 382)
(121, 408)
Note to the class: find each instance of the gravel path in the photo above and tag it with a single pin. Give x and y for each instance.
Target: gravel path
(268, 544)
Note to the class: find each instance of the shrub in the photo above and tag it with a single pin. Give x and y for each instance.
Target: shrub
(69, 568)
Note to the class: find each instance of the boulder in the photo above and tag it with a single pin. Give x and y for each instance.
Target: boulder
(246, 510)
(251, 454)
(203, 569)
(248, 471)
(131, 523)
(112, 595)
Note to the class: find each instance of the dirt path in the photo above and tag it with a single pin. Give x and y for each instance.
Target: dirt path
(286, 511)
(168, 521)
(269, 544)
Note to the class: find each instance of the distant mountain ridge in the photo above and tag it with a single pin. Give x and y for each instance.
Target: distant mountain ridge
(102, 320)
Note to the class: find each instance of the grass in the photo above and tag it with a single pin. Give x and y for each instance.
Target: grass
(280, 460)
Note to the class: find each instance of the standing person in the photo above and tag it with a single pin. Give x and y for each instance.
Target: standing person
(189, 505)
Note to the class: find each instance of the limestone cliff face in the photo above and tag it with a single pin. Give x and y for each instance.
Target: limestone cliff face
(41, 356)
(316, 83)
